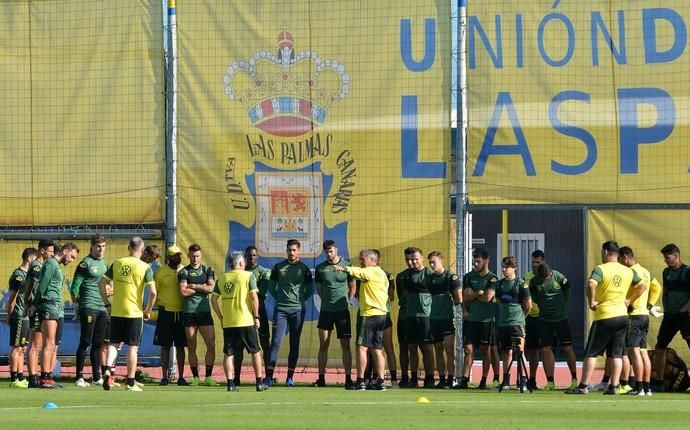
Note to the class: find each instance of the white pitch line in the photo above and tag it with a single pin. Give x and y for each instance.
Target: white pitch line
(343, 403)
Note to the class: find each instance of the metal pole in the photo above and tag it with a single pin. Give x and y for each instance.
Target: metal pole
(461, 227)
(504, 238)
(171, 127)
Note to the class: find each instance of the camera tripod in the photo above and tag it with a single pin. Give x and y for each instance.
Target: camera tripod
(522, 375)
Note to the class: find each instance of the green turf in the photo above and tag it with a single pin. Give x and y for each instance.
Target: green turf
(332, 407)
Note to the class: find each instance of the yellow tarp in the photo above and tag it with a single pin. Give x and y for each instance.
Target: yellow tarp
(82, 112)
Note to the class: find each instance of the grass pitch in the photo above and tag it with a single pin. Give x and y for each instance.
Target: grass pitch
(333, 407)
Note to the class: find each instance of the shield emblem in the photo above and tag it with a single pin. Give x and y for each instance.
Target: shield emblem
(289, 206)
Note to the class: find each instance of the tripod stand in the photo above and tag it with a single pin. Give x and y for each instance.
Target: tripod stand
(522, 375)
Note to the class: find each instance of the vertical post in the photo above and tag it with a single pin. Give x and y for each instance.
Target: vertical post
(171, 126)
(585, 251)
(504, 238)
(461, 218)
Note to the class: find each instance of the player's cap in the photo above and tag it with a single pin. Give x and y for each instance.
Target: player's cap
(172, 250)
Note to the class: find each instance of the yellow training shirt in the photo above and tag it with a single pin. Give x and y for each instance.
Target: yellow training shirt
(373, 289)
(168, 289)
(613, 282)
(234, 288)
(129, 275)
(640, 304)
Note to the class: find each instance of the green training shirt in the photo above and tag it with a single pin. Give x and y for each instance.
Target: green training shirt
(441, 287)
(401, 292)
(263, 278)
(676, 288)
(479, 311)
(32, 277)
(17, 284)
(416, 283)
(50, 283)
(291, 285)
(85, 283)
(510, 295)
(198, 302)
(551, 296)
(335, 287)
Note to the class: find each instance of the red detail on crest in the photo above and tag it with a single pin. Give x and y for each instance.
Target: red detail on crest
(305, 107)
(286, 126)
(267, 108)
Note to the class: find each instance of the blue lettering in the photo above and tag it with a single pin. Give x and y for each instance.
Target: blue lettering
(576, 132)
(409, 146)
(571, 39)
(504, 101)
(631, 134)
(598, 23)
(519, 48)
(429, 45)
(680, 31)
(497, 55)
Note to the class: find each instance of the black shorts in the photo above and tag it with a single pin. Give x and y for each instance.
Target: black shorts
(20, 331)
(389, 320)
(607, 336)
(479, 333)
(127, 330)
(197, 319)
(440, 329)
(418, 330)
(510, 336)
(402, 330)
(35, 322)
(371, 332)
(340, 319)
(672, 324)
(548, 330)
(48, 316)
(533, 339)
(638, 328)
(94, 326)
(169, 329)
(236, 339)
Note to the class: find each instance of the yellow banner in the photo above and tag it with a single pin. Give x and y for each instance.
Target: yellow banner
(315, 121)
(646, 232)
(82, 115)
(578, 101)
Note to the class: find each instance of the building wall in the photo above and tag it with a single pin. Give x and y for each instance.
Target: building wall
(564, 246)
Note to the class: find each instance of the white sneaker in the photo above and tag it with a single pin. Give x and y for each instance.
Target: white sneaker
(98, 382)
(647, 393)
(395, 385)
(505, 388)
(139, 384)
(81, 383)
(602, 386)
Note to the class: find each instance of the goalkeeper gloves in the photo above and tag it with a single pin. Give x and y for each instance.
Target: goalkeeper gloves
(655, 311)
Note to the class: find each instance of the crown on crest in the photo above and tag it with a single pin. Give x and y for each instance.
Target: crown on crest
(288, 93)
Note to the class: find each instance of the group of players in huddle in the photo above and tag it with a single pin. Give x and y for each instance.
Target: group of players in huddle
(507, 316)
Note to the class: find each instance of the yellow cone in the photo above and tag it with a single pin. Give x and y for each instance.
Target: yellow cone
(422, 400)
